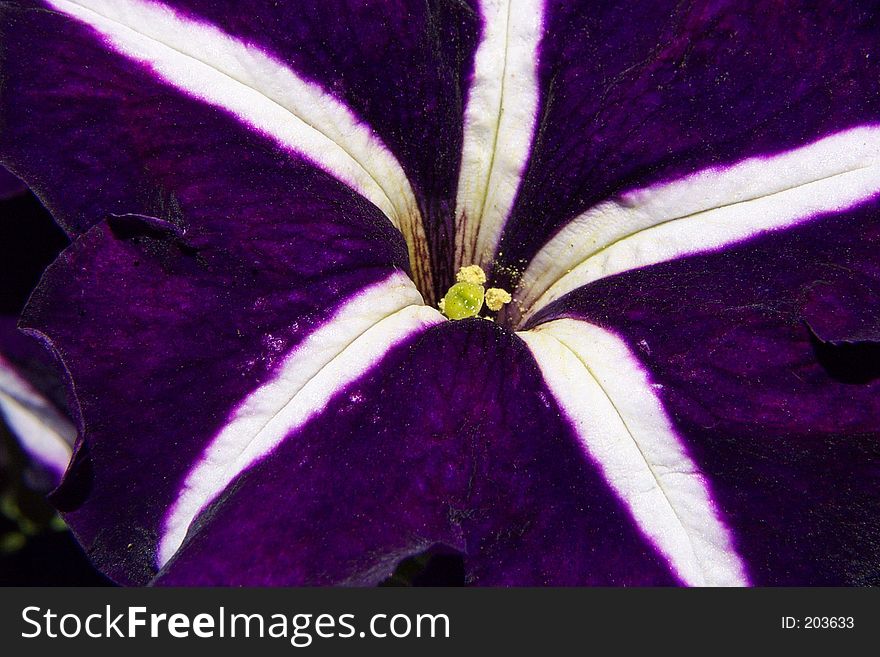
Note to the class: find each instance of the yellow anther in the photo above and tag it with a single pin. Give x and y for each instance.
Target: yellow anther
(496, 298)
(473, 274)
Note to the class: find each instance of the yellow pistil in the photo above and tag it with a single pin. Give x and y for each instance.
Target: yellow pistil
(463, 300)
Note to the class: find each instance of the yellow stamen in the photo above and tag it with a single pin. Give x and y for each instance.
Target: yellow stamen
(496, 298)
(471, 274)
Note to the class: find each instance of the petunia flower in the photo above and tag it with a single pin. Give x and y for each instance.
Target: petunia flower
(32, 398)
(27, 407)
(269, 202)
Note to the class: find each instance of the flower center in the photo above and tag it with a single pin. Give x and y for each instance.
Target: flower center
(468, 295)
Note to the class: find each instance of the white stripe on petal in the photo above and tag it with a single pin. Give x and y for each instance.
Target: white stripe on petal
(357, 337)
(705, 211)
(44, 433)
(262, 92)
(608, 398)
(500, 116)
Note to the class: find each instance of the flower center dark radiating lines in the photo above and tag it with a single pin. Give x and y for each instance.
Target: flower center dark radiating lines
(468, 248)
(499, 122)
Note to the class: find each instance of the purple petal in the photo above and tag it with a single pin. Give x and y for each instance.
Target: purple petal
(709, 210)
(633, 95)
(32, 397)
(784, 427)
(213, 254)
(613, 407)
(166, 325)
(344, 70)
(32, 403)
(843, 308)
(452, 440)
(499, 126)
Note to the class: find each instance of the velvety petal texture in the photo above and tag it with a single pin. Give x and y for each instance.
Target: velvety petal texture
(326, 80)
(785, 423)
(266, 201)
(480, 461)
(196, 337)
(634, 94)
(403, 67)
